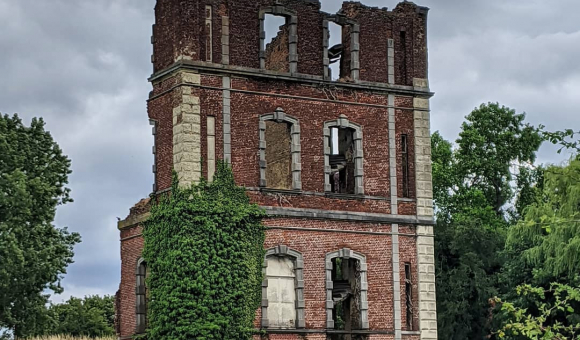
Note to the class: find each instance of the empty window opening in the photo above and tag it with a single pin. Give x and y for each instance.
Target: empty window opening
(277, 51)
(280, 273)
(142, 295)
(405, 164)
(335, 50)
(409, 296)
(346, 296)
(403, 49)
(342, 162)
(278, 155)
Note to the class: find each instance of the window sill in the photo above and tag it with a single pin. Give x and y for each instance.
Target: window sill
(281, 191)
(344, 196)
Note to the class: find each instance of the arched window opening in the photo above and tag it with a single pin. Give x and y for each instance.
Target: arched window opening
(280, 160)
(342, 161)
(343, 157)
(278, 155)
(283, 289)
(141, 292)
(346, 305)
(278, 39)
(277, 48)
(341, 48)
(281, 292)
(335, 51)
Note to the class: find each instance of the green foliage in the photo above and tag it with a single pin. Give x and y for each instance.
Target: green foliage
(34, 254)
(549, 234)
(492, 139)
(473, 185)
(93, 316)
(556, 303)
(563, 138)
(204, 249)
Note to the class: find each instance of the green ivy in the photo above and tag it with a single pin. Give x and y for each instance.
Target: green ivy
(204, 249)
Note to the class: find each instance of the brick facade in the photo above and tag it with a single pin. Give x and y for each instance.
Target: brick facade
(383, 92)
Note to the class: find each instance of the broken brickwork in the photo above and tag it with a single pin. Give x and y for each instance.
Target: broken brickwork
(350, 238)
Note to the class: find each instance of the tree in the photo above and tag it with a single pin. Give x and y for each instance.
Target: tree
(204, 250)
(92, 316)
(473, 185)
(544, 324)
(492, 140)
(550, 229)
(34, 254)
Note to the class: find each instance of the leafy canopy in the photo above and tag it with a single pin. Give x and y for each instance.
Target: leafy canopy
(34, 254)
(93, 316)
(204, 248)
(473, 187)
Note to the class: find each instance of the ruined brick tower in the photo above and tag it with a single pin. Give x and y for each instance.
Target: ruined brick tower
(341, 162)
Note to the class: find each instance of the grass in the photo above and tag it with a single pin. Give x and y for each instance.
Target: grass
(66, 337)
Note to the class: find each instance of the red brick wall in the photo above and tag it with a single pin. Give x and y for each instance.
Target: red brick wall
(180, 31)
(314, 245)
(131, 250)
(312, 110)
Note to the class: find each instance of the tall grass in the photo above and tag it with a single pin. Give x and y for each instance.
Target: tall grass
(67, 337)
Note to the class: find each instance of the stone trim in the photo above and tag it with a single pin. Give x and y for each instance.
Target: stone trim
(343, 122)
(227, 127)
(230, 70)
(187, 130)
(132, 221)
(423, 168)
(342, 20)
(336, 215)
(140, 297)
(280, 10)
(346, 254)
(426, 281)
(225, 40)
(391, 61)
(280, 116)
(153, 123)
(282, 250)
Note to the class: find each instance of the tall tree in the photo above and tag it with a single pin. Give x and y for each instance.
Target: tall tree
(204, 248)
(472, 185)
(34, 254)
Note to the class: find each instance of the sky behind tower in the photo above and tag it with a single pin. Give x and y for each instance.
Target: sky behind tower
(83, 66)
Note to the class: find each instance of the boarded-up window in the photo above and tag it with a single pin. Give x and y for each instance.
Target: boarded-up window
(278, 155)
(281, 292)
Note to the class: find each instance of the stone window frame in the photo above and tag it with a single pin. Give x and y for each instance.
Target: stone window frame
(285, 251)
(342, 20)
(346, 253)
(280, 116)
(343, 122)
(140, 297)
(280, 10)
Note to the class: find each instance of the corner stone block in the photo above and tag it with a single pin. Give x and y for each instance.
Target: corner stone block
(421, 103)
(191, 78)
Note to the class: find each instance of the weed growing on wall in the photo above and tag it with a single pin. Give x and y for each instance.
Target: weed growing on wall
(204, 251)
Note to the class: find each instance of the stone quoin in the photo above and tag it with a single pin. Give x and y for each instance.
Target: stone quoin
(333, 141)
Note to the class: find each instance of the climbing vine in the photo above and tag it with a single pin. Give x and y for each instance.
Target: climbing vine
(204, 251)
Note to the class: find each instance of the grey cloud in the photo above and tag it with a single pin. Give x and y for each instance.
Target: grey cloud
(83, 64)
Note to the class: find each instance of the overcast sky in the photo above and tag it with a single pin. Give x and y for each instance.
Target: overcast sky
(83, 66)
